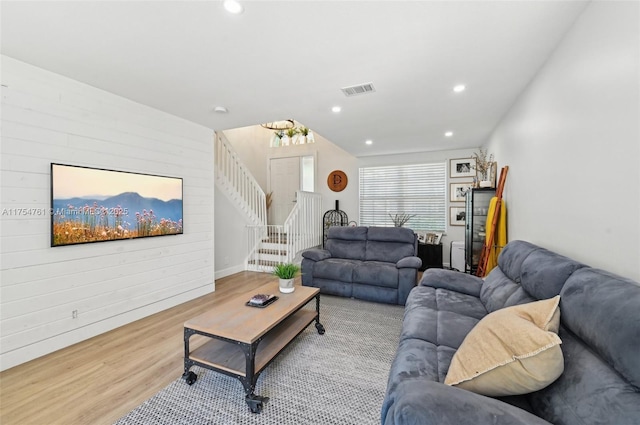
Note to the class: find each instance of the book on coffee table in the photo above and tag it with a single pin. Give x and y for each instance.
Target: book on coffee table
(261, 300)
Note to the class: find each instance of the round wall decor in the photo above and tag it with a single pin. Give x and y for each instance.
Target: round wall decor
(337, 180)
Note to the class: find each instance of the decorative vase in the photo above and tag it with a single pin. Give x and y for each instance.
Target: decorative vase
(285, 140)
(302, 139)
(485, 180)
(286, 286)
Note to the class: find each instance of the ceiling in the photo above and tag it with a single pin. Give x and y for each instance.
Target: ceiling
(289, 60)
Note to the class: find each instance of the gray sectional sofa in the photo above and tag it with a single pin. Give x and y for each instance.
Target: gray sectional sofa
(370, 263)
(599, 329)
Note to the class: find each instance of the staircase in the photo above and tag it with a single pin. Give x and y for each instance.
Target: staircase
(237, 182)
(268, 245)
(275, 244)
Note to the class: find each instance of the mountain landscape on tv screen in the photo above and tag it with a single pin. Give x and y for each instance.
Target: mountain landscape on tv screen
(131, 202)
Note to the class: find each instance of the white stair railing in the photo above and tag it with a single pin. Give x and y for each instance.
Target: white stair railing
(238, 182)
(303, 227)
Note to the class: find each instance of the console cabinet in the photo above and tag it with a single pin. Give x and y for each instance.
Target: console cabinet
(431, 256)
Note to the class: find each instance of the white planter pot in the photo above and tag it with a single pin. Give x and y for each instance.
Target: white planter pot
(286, 286)
(485, 183)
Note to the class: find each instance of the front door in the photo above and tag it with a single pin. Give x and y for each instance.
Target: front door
(284, 181)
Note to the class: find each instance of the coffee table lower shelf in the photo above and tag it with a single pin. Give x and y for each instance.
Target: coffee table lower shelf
(219, 354)
(244, 360)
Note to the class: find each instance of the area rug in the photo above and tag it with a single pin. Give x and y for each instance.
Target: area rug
(336, 378)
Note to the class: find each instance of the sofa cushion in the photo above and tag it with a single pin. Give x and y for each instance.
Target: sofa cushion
(515, 350)
(348, 250)
(391, 252)
(526, 273)
(601, 342)
(440, 317)
(418, 358)
(349, 233)
(458, 282)
(347, 242)
(376, 273)
(602, 309)
(589, 391)
(335, 269)
(419, 401)
(544, 273)
(390, 244)
(391, 234)
(499, 291)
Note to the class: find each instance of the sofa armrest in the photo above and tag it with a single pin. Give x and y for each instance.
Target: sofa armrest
(316, 254)
(452, 280)
(419, 401)
(409, 262)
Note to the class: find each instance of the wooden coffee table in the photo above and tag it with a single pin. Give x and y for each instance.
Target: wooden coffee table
(244, 340)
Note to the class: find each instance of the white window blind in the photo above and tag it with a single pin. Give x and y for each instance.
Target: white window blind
(417, 190)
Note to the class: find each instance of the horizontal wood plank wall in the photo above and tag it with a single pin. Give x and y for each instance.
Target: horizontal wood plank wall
(50, 118)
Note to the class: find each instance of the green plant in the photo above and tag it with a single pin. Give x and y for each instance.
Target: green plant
(304, 131)
(286, 271)
(292, 132)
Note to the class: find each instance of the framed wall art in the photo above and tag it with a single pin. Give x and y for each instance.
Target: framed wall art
(97, 205)
(462, 167)
(458, 191)
(457, 216)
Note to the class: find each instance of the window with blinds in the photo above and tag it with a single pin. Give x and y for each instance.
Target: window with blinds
(417, 190)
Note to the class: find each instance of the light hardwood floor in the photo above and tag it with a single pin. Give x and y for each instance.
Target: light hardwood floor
(99, 380)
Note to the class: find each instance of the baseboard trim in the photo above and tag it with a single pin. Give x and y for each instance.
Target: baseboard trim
(219, 274)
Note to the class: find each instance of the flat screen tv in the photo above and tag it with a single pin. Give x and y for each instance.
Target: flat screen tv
(97, 205)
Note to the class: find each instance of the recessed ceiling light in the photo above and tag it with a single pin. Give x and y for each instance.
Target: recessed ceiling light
(459, 88)
(368, 142)
(448, 134)
(233, 6)
(336, 109)
(220, 109)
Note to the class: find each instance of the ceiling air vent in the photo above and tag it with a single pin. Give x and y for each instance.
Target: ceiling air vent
(359, 89)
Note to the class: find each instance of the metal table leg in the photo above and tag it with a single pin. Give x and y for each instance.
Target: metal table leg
(319, 326)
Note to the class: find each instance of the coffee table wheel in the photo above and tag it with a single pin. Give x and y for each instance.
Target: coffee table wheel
(320, 328)
(190, 377)
(256, 402)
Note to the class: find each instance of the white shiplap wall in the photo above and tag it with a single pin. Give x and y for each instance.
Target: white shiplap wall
(50, 118)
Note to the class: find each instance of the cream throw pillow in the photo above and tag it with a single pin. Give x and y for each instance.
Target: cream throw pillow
(514, 350)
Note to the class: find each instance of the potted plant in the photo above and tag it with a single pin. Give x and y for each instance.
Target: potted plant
(276, 138)
(400, 220)
(303, 132)
(290, 134)
(286, 273)
(484, 166)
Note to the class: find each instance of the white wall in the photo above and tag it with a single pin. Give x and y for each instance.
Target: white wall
(572, 143)
(49, 118)
(231, 237)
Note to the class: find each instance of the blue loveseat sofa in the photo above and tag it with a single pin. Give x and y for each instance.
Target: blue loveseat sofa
(370, 263)
(599, 328)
